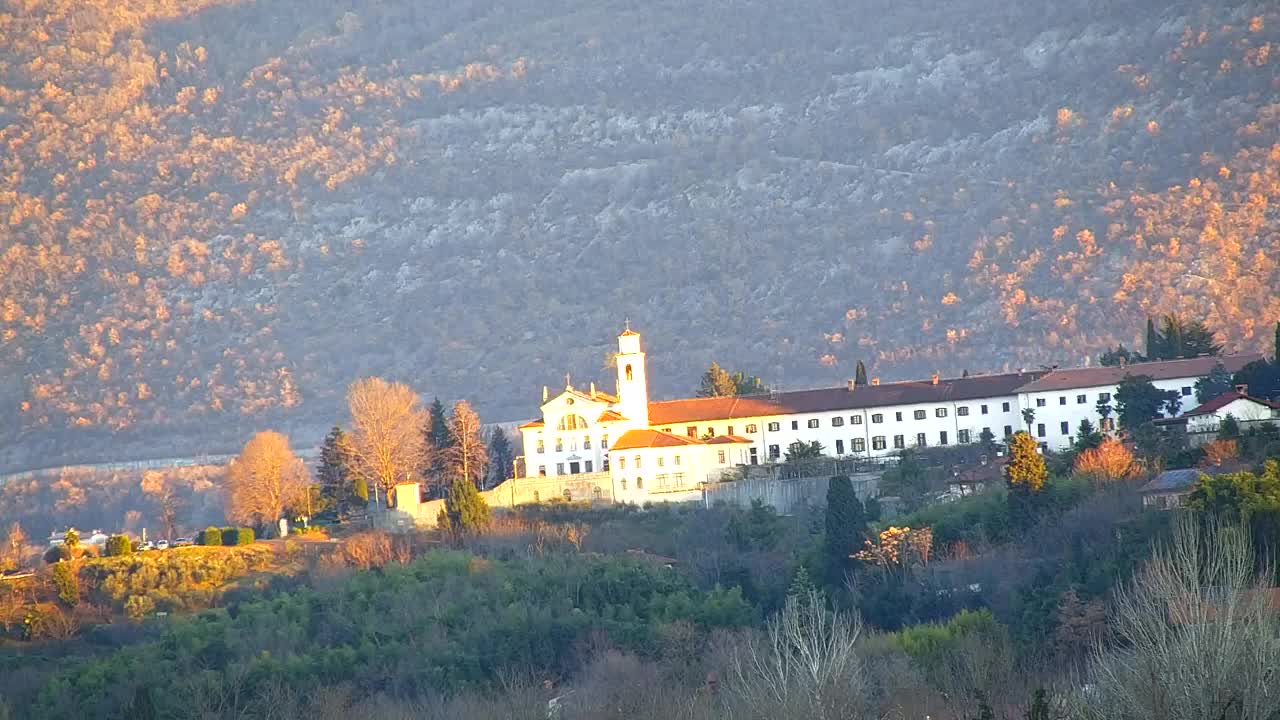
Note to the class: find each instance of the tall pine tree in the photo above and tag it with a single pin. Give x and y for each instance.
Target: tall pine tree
(1155, 349)
(1275, 346)
(438, 442)
(500, 457)
(846, 527)
(341, 485)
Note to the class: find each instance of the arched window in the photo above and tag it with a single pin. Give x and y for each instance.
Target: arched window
(639, 483)
(629, 372)
(572, 422)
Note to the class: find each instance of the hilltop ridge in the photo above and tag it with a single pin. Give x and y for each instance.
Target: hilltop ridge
(217, 214)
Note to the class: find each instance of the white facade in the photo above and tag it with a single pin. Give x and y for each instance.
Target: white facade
(1243, 409)
(579, 427)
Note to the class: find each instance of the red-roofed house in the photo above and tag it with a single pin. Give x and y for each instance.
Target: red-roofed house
(1237, 403)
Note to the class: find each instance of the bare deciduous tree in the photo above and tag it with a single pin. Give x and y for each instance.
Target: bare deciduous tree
(163, 490)
(265, 480)
(13, 552)
(1197, 635)
(804, 665)
(388, 431)
(468, 455)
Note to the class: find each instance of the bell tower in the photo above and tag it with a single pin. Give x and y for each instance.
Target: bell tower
(633, 387)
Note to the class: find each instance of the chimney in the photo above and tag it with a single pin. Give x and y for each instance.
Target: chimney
(875, 381)
(849, 385)
(934, 378)
(545, 393)
(1242, 389)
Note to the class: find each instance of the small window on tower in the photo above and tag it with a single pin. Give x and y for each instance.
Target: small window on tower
(629, 372)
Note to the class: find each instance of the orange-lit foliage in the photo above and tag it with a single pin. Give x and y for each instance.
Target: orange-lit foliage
(1220, 451)
(1111, 460)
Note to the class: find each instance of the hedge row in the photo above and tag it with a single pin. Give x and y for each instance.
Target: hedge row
(226, 536)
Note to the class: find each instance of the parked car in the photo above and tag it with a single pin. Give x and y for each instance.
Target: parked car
(148, 545)
(162, 545)
(183, 542)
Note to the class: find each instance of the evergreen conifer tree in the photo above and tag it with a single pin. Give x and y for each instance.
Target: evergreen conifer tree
(337, 473)
(500, 456)
(1087, 436)
(465, 511)
(801, 587)
(1155, 350)
(1275, 346)
(846, 527)
(438, 442)
(860, 375)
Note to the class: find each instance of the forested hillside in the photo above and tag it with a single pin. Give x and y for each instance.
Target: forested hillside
(215, 213)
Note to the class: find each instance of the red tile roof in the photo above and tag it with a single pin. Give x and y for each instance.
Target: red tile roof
(633, 439)
(1072, 378)
(1225, 399)
(609, 416)
(531, 424)
(672, 412)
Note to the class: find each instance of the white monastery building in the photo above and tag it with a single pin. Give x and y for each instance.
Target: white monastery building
(671, 447)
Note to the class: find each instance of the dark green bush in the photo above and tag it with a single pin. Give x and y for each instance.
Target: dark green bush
(67, 582)
(56, 553)
(229, 535)
(211, 536)
(118, 545)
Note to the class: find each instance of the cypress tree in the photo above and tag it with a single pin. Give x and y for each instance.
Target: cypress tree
(1275, 347)
(860, 375)
(846, 527)
(1154, 351)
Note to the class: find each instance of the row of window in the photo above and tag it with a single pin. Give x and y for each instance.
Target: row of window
(573, 444)
(1064, 427)
(574, 468)
(880, 442)
(1083, 399)
(663, 480)
(622, 461)
(813, 423)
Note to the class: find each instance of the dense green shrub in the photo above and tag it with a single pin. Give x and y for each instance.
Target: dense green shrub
(57, 553)
(448, 622)
(229, 536)
(67, 583)
(118, 545)
(241, 536)
(210, 536)
(173, 580)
